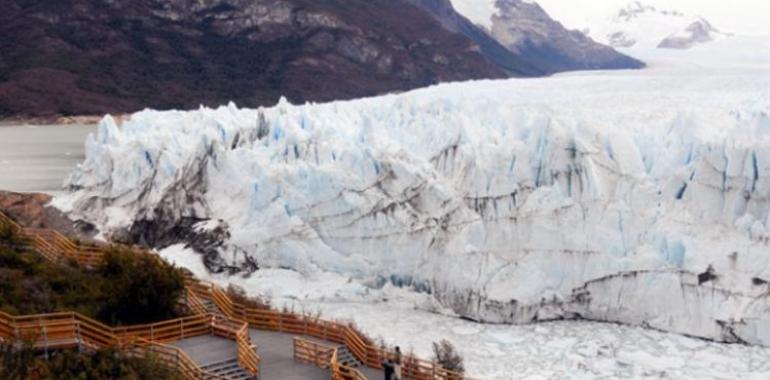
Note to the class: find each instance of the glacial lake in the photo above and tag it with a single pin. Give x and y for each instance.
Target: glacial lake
(38, 158)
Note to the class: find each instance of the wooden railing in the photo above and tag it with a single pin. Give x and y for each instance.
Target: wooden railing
(365, 351)
(167, 331)
(172, 357)
(324, 356)
(58, 330)
(71, 330)
(247, 352)
(344, 372)
(66, 330)
(55, 248)
(56, 240)
(7, 221)
(317, 354)
(194, 303)
(334, 364)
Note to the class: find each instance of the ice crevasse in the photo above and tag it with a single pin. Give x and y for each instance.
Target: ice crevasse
(644, 201)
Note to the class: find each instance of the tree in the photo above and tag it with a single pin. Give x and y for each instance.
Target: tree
(141, 288)
(444, 353)
(25, 363)
(9, 236)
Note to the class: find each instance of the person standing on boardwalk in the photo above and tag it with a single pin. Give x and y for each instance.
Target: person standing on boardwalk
(397, 363)
(387, 368)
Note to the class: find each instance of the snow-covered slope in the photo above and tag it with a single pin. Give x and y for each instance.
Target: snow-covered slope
(633, 24)
(637, 197)
(741, 17)
(645, 26)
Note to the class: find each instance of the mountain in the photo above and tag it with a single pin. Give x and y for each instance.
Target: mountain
(641, 25)
(92, 56)
(526, 30)
(645, 200)
(516, 64)
(700, 31)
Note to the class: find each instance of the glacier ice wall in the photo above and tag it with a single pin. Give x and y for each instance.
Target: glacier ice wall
(631, 198)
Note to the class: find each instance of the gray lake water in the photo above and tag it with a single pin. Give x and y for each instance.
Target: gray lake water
(38, 158)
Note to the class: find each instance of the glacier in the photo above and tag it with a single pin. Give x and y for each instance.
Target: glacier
(634, 197)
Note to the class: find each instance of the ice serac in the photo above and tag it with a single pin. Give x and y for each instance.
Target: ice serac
(644, 201)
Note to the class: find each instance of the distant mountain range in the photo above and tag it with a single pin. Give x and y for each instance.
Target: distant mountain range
(65, 57)
(526, 30)
(645, 26)
(522, 23)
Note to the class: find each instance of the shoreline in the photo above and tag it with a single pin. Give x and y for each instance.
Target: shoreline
(58, 120)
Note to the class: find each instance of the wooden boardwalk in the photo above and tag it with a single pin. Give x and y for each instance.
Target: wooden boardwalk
(275, 350)
(207, 349)
(221, 340)
(277, 354)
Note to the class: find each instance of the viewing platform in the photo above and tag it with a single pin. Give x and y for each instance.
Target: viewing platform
(221, 339)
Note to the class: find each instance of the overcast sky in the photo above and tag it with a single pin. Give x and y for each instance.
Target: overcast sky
(737, 16)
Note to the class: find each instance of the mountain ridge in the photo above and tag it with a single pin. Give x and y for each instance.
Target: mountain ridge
(79, 57)
(524, 29)
(89, 57)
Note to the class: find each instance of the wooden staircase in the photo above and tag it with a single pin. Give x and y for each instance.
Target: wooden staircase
(346, 358)
(211, 307)
(228, 369)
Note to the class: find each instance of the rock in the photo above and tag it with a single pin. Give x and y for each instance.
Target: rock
(32, 210)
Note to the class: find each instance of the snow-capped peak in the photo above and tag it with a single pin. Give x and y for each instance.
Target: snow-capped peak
(636, 9)
(526, 29)
(645, 26)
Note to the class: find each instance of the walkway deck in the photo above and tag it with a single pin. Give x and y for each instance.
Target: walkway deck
(213, 356)
(276, 351)
(207, 349)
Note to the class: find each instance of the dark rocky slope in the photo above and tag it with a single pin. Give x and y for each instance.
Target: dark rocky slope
(94, 56)
(66, 57)
(495, 52)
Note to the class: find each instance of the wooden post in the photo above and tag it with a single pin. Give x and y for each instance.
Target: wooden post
(45, 339)
(315, 356)
(77, 334)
